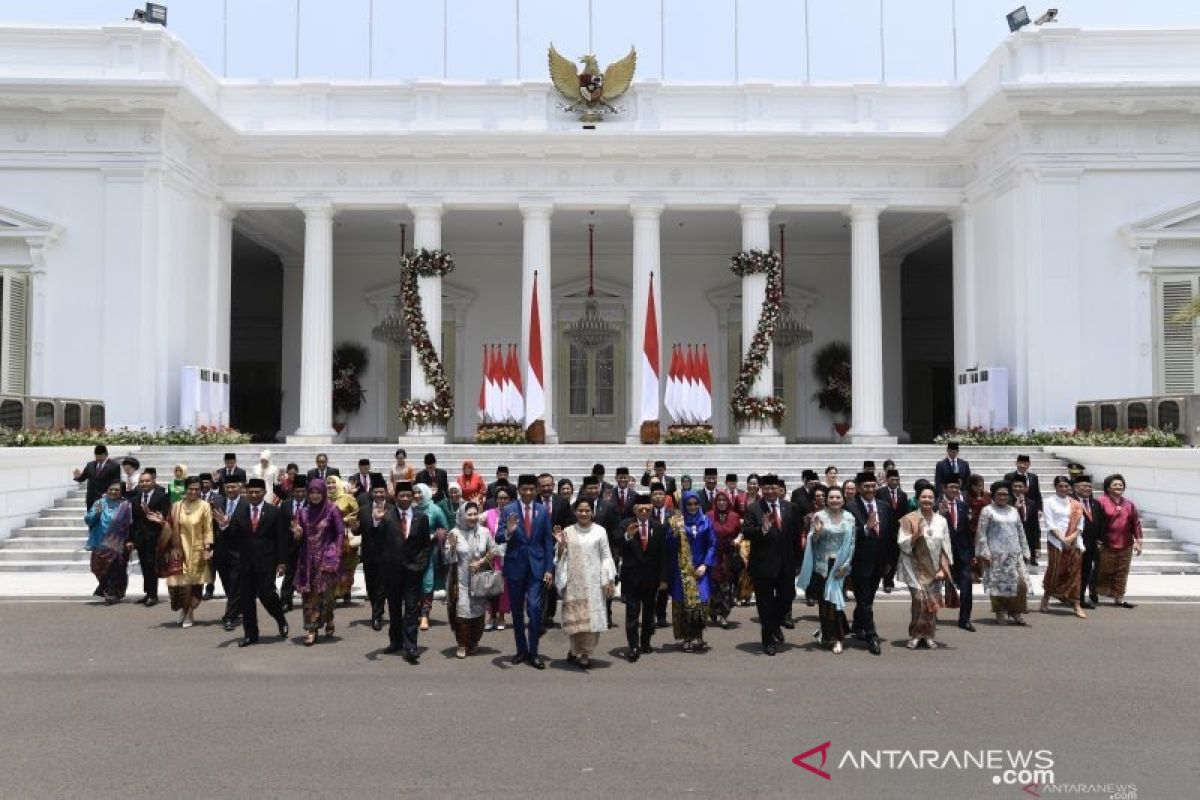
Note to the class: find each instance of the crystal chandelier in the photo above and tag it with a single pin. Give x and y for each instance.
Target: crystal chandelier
(393, 329)
(790, 332)
(591, 331)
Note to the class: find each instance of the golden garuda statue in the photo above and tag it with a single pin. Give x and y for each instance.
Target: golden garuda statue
(591, 91)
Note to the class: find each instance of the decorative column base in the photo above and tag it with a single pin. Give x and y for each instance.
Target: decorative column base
(759, 433)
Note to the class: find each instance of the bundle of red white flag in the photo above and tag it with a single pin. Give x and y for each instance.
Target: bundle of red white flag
(500, 398)
(689, 386)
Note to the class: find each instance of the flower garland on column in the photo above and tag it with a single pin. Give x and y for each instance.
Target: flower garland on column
(414, 264)
(741, 403)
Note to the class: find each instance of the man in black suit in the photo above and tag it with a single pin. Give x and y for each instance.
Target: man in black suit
(209, 494)
(660, 513)
(405, 546)
(659, 476)
(708, 492)
(802, 494)
(598, 472)
(434, 477)
(769, 526)
(951, 465)
(489, 500)
(644, 572)
(226, 555)
(1093, 525)
(625, 494)
(372, 549)
(230, 473)
(1033, 489)
(361, 482)
(148, 497)
(1030, 519)
(323, 470)
(958, 520)
(289, 510)
(263, 545)
(872, 521)
(98, 475)
(561, 516)
(897, 500)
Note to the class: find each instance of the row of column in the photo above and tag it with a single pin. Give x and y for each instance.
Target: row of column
(316, 333)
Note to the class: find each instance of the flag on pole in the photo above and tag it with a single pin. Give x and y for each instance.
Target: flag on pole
(650, 365)
(690, 381)
(512, 386)
(495, 405)
(706, 382)
(535, 399)
(671, 396)
(483, 379)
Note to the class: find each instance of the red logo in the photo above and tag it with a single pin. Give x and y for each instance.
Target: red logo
(823, 749)
(1032, 789)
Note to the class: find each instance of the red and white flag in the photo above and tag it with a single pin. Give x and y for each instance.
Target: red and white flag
(495, 410)
(535, 398)
(483, 380)
(691, 380)
(650, 361)
(706, 388)
(512, 387)
(671, 396)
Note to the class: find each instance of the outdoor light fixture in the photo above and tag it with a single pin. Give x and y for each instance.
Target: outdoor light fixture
(1017, 19)
(153, 13)
(1051, 15)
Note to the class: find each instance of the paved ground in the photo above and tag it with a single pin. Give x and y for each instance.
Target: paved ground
(118, 702)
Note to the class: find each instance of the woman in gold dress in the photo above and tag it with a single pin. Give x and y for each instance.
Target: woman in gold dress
(187, 536)
(348, 507)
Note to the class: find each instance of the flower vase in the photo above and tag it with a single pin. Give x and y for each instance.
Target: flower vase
(841, 428)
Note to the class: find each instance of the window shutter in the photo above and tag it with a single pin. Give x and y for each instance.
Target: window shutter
(1178, 339)
(14, 336)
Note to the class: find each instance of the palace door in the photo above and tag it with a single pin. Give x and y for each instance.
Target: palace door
(594, 396)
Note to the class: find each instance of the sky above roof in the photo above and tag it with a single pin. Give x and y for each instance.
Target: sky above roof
(710, 41)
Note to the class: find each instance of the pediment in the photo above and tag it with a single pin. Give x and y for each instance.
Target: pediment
(15, 225)
(1179, 224)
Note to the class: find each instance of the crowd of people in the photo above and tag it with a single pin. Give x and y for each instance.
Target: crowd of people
(516, 552)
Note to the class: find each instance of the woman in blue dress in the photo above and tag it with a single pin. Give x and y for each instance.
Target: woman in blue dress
(692, 550)
(826, 565)
(108, 523)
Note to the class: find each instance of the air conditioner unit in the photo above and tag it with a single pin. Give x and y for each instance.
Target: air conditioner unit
(13, 412)
(1087, 416)
(1110, 415)
(72, 415)
(191, 400)
(1138, 414)
(1180, 413)
(94, 414)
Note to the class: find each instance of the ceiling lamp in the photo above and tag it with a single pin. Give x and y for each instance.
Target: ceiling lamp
(393, 329)
(789, 331)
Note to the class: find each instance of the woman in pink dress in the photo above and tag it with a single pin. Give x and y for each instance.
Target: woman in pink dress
(497, 606)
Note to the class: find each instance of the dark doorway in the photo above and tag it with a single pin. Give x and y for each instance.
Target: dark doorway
(927, 298)
(256, 340)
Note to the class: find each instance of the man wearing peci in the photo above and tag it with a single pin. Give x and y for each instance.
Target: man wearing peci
(644, 572)
(150, 498)
(97, 475)
(951, 465)
(524, 526)
(263, 545)
(962, 546)
(873, 519)
(404, 549)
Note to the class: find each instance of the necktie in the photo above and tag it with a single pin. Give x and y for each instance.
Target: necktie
(529, 521)
(404, 525)
(1087, 508)
(954, 465)
(622, 498)
(146, 499)
(874, 529)
(645, 537)
(953, 516)
(254, 518)
(229, 508)
(895, 500)
(1021, 508)
(778, 519)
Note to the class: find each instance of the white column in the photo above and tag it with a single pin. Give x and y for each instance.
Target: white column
(36, 370)
(646, 260)
(962, 224)
(293, 301)
(220, 287)
(756, 235)
(893, 346)
(535, 258)
(316, 326)
(427, 234)
(866, 325)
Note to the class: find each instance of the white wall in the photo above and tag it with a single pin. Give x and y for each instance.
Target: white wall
(32, 478)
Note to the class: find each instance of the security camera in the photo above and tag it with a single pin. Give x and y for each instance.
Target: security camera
(1051, 15)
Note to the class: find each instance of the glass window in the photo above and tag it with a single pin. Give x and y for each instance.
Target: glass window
(578, 386)
(605, 387)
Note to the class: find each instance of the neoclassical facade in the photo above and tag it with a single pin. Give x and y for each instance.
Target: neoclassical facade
(1043, 217)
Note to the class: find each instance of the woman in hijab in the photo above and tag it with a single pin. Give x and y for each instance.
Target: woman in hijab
(265, 469)
(474, 489)
(727, 528)
(437, 526)
(348, 506)
(178, 485)
(826, 565)
(925, 566)
(691, 549)
(498, 606)
(469, 548)
(319, 532)
(108, 523)
(685, 485)
(188, 535)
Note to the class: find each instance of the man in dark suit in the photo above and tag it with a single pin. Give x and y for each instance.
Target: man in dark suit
(525, 527)
(323, 470)
(962, 545)
(230, 473)
(372, 549)
(405, 547)
(660, 512)
(1033, 489)
(659, 476)
(598, 472)
(359, 484)
(769, 526)
(802, 494)
(434, 477)
(625, 494)
(644, 572)
(501, 480)
(289, 510)
(897, 500)
(98, 475)
(210, 494)
(736, 495)
(149, 497)
(872, 520)
(951, 465)
(226, 555)
(1030, 519)
(708, 492)
(1093, 525)
(263, 545)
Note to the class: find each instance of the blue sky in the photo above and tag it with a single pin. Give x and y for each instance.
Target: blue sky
(683, 40)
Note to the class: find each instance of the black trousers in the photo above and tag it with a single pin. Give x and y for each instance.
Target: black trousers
(227, 563)
(865, 586)
(549, 605)
(147, 550)
(1091, 566)
(640, 606)
(660, 605)
(962, 581)
(402, 588)
(787, 597)
(257, 585)
(375, 588)
(287, 590)
(769, 594)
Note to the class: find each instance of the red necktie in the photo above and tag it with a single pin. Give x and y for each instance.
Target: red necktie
(254, 518)
(645, 537)
(529, 522)
(954, 516)
(1021, 508)
(895, 500)
(778, 519)
(404, 525)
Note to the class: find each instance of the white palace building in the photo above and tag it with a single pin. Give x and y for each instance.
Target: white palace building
(1042, 216)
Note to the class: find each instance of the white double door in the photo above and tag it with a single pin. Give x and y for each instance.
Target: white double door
(591, 390)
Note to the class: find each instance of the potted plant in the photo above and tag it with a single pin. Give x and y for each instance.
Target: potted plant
(349, 363)
(831, 368)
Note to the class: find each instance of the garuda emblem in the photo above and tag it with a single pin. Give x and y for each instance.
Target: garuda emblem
(591, 91)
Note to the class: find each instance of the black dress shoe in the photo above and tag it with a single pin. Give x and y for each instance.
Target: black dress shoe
(632, 655)
(208, 592)
(1087, 604)
(769, 649)
(377, 623)
(778, 636)
(412, 657)
(246, 641)
(570, 658)
(283, 629)
(537, 662)
(787, 623)
(967, 626)
(392, 648)
(230, 624)
(1127, 604)
(520, 658)
(661, 622)
(287, 606)
(646, 647)
(873, 646)
(150, 602)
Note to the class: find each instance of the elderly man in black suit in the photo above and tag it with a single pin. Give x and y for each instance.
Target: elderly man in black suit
(951, 465)
(896, 498)
(1030, 516)
(323, 470)
(151, 498)
(957, 514)
(1093, 526)
(644, 571)
(1033, 488)
(405, 547)
(230, 473)
(659, 476)
(770, 526)
(263, 545)
(434, 477)
(873, 519)
(226, 558)
(359, 484)
(290, 509)
(97, 475)
(708, 492)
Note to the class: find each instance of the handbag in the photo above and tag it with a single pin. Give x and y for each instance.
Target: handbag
(169, 561)
(952, 598)
(487, 583)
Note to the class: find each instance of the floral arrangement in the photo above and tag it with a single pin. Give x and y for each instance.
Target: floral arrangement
(349, 362)
(831, 368)
(1140, 437)
(500, 434)
(743, 406)
(204, 435)
(690, 434)
(421, 413)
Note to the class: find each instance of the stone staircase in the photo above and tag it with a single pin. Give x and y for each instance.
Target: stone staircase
(53, 541)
